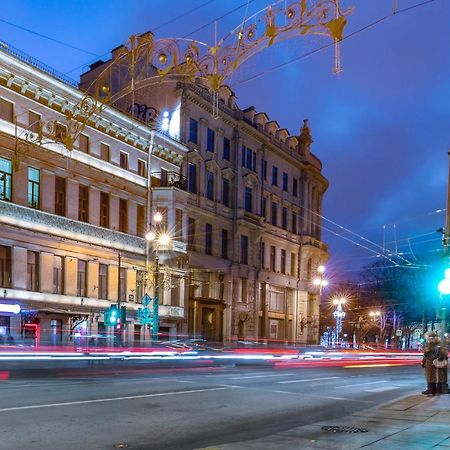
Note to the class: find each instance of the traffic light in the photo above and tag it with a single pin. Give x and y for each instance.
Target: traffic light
(123, 317)
(112, 316)
(444, 284)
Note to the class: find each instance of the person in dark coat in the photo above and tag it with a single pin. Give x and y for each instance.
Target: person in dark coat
(436, 378)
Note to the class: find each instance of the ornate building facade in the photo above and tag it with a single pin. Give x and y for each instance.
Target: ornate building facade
(73, 217)
(240, 196)
(253, 208)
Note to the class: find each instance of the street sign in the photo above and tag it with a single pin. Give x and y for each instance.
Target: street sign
(131, 297)
(398, 333)
(146, 300)
(417, 331)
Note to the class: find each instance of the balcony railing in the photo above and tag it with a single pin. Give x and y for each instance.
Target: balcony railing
(169, 179)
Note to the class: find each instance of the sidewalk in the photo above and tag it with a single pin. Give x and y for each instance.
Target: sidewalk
(415, 422)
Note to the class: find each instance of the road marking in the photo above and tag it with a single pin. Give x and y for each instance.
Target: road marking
(283, 392)
(114, 399)
(362, 384)
(307, 379)
(247, 377)
(387, 388)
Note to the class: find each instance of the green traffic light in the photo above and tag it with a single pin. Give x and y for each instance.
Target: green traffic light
(444, 284)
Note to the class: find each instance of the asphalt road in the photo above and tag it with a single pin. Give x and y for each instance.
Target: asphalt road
(187, 409)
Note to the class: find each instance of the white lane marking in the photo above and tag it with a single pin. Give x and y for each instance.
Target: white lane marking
(246, 377)
(387, 388)
(304, 380)
(361, 384)
(231, 386)
(282, 392)
(113, 399)
(185, 381)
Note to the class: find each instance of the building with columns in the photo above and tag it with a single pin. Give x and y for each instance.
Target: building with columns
(254, 200)
(73, 214)
(240, 196)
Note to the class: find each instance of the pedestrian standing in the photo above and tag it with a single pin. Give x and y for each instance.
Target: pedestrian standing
(435, 362)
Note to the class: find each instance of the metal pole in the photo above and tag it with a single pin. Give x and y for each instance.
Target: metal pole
(443, 310)
(156, 300)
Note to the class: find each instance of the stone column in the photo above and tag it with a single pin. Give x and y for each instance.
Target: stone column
(94, 206)
(19, 267)
(92, 279)
(72, 198)
(131, 284)
(114, 212)
(132, 217)
(113, 273)
(47, 194)
(46, 272)
(70, 275)
(20, 185)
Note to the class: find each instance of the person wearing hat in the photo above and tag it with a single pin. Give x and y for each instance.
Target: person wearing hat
(436, 377)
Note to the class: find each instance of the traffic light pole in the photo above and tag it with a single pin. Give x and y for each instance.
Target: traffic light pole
(442, 309)
(155, 321)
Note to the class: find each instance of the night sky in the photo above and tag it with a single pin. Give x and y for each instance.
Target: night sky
(381, 127)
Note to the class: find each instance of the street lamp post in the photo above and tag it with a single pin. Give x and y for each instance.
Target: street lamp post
(157, 239)
(339, 315)
(320, 282)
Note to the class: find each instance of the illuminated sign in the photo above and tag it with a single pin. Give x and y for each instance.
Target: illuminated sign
(13, 309)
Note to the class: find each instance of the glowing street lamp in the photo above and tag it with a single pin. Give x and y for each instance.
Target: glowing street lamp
(339, 315)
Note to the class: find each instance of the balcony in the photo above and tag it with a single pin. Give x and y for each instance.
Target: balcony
(169, 179)
(53, 225)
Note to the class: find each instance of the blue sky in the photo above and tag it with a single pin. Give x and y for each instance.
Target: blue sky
(381, 128)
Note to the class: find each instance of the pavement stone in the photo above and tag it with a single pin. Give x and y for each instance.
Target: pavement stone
(415, 422)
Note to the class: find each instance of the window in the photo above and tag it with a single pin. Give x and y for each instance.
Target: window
(210, 139)
(274, 176)
(226, 191)
(263, 255)
(81, 278)
(141, 221)
(179, 223)
(60, 196)
(58, 275)
(34, 182)
(284, 218)
(104, 151)
(193, 130)
(285, 182)
(141, 169)
(5, 266)
(248, 158)
(244, 284)
(294, 187)
(191, 234)
(224, 252)
(34, 124)
(248, 199)
(264, 169)
(226, 149)
(294, 222)
(209, 185)
(208, 239)
(5, 179)
(123, 284)
(83, 204)
(293, 265)
(283, 261)
(192, 178)
(123, 215)
(104, 209)
(244, 249)
(83, 143)
(6, 110)
(264, 207)
(273, 214)
(123, 160)
(32, 271)
(272, 258)
(103, 281)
